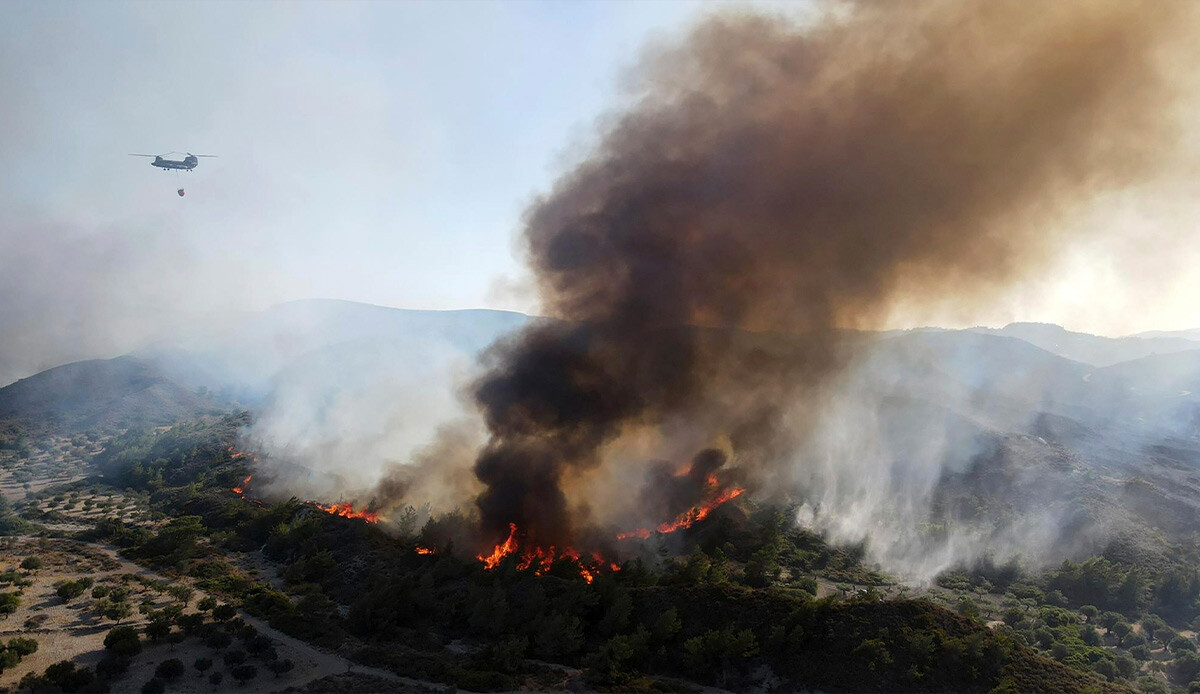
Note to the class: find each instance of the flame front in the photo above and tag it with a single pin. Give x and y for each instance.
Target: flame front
(347, 511)
(540, 559)
(240, 490)
(501, 550)
(693, 515)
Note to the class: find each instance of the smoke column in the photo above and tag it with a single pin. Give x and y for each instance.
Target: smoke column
(795, 178)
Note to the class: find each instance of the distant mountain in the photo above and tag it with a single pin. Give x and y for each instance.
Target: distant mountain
(1093, 349)
(247, 356)
(1183, 334)
(100, 393)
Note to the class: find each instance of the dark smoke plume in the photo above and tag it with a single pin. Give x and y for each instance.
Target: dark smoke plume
(773, 176)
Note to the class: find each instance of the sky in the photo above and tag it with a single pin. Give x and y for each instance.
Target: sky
(377, 152)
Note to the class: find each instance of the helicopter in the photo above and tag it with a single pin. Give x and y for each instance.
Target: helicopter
(186, 164)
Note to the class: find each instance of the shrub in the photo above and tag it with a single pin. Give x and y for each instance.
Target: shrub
(216, 678)
(69, 590)
(218, 640)
(154, 686)
(62, 676)
(9, 659)
(157, 631)
(222, 613)
(112, 666)
(1180, 644)
(244, 673)
(31, 563)
(280, 667)
(123, 642)
(170, 669)
(22, 646)
(9, 602)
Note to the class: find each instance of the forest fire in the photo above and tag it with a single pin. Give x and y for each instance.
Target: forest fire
(540, 559)
(347, 511)
(423, 550)
(693, 515)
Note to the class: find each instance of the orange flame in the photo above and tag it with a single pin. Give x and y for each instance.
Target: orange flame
(423, 550)
(690, 517)
(347, 511)
(501, 550)
(539, 559)
(240, 490)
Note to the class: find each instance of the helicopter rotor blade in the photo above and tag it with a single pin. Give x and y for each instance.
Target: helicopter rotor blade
(144, 155)
(213, 156)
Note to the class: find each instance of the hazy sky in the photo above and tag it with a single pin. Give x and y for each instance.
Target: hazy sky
(378, 152)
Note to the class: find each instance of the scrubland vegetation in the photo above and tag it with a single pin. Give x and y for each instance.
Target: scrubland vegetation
(745, 599)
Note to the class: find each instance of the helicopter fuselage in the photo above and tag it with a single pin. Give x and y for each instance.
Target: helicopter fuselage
(187, 164)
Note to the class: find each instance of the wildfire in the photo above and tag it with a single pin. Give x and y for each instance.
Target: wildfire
(693, 515)
(501, 550)
(423, 550)
(240, 490)
(347, 511)
(540, 559)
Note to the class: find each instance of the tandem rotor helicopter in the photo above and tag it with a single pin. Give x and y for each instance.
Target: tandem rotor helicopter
(188, 163)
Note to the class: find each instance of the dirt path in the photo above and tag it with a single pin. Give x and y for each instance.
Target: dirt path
(69, 634)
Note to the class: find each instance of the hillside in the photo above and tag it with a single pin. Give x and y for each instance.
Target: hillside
(117, 392)
(247, 357)
(1094, 349)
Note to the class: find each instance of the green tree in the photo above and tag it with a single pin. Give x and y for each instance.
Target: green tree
(9, 602)
(223, 613)
(244, 673)
(719, 652)
(1186, 667)
(22, 646)
(170, 670)
(69, 590)
(123, 642)
(558, 635)
(281, 667)
(218, 640)
(666, 625)
(157, 630)
(1181, 644)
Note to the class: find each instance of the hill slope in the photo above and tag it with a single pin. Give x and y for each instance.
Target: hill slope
(103, 392)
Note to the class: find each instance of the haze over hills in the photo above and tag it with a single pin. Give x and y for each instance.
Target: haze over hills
(331, 351)
(1096, 350)
(119, 392)
(939, 448)
(333, 382)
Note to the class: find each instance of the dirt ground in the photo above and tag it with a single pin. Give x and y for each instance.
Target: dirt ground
(74, 631)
